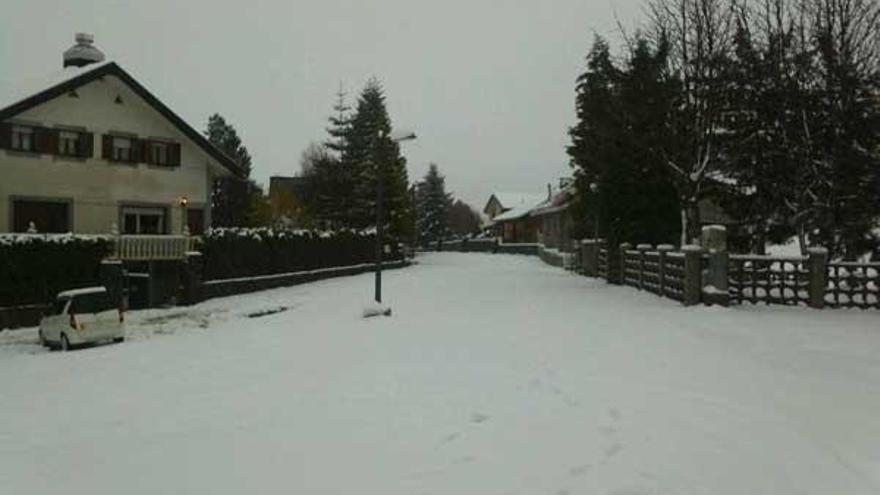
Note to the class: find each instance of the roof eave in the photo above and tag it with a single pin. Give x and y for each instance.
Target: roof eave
(113, 68)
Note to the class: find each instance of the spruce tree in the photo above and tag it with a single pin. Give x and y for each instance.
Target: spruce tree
(434, 204)
(372, 156)
(233, 200)
(340, 125)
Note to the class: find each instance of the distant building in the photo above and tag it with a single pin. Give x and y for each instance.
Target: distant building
(509, 216)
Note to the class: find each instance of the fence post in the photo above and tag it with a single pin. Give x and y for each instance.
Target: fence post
(662, 250)
(693, 257)
(818, 268)
(617, 267)
(715, 241)
(589, 257)
(643, 250)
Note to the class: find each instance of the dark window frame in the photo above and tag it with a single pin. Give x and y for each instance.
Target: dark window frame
(15, 132)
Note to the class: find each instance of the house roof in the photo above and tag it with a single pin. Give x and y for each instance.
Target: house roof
(559, 200)
(512, 200)
(19, 98)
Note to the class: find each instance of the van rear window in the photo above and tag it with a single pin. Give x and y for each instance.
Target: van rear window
(59, 306)
(92, 303)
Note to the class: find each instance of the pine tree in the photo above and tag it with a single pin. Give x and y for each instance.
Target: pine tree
(233, 199)
(624, 191)
(340, 125)
(434, 204)
(372, 156)
(223, 136)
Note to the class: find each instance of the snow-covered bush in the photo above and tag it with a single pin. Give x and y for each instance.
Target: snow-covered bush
(34, 267)
(246, 252)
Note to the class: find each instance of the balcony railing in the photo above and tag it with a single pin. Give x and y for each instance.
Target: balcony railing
(153, 247)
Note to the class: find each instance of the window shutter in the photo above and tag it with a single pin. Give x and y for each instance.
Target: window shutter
(107, 147)
(86, 144)
(174, 154)
(135, 153)
(147, 152)
(5, 136)
(44, 139)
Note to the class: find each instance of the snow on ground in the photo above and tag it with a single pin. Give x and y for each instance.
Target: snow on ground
(495, 375)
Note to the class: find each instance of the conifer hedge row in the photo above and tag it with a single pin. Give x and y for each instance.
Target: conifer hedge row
(35, 267)
(239, 252)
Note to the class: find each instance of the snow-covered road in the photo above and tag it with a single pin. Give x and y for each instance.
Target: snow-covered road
(496, 375)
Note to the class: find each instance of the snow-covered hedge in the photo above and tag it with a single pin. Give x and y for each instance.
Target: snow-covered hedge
(248, 252)
(34, 267)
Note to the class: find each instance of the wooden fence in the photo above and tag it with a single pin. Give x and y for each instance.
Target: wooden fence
(692, 275)
(853, 285)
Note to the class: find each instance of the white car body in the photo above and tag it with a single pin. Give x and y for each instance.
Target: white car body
(82, 316)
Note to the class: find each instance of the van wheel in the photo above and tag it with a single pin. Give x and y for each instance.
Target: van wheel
(65, 343)
(119, 339)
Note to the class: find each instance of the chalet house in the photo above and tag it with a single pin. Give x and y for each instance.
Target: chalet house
(90, 150)
(509, 216)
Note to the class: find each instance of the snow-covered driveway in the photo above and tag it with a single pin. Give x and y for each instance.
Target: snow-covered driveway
(496, 375)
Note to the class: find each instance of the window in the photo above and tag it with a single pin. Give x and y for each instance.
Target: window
(69, 143)
(97, 302)
(22, 138)
(60, 303)
(143, 221)
(122, 149)
(159, 153)
(47, 216)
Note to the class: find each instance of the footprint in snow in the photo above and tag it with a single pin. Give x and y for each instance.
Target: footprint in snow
(613, 450)
(579, 470)
(479, 418)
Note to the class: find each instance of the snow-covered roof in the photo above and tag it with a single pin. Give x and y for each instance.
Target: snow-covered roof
(82, 292)
(12, 92)
(517, 200)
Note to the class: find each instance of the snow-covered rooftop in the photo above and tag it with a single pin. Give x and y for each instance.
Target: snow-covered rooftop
(12, 92)
(517, 200)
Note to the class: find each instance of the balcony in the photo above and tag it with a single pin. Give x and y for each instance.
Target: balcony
(153, 247)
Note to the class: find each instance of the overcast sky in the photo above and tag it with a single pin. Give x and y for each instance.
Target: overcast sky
(488, 85)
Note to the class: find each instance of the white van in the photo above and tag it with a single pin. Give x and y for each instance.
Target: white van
(82, 316)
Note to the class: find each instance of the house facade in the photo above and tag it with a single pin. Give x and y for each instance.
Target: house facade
(554, 219)
(509, 218)
(89, 150)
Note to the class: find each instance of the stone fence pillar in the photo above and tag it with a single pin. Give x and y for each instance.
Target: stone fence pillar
(616, 263)
(590, 257)
(818, 267)
(693, 283)
(716, 280)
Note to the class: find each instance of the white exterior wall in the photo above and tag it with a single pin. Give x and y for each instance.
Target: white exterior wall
(97, 187)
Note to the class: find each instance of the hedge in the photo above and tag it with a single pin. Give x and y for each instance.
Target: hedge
(35, 267)
(240, 252)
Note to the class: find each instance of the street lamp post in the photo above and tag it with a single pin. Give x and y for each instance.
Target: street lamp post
(380, 220)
